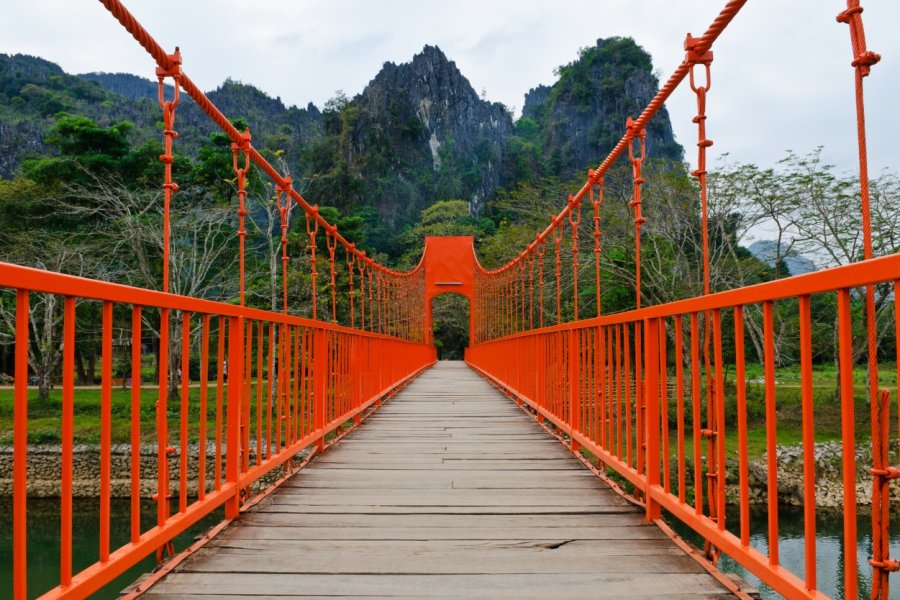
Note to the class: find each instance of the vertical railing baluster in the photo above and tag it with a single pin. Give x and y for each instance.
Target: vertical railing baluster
(221, 367)
(67, 440)
(105, 428)
(204, 398)
(20, 449)
(741, 389)
(848, 437)
(136, 390)
(809, 441)
(235, 410)
(184, 384)
(771, 430)
(651, 400)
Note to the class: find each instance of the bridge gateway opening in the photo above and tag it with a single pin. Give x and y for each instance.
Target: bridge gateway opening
(450, 325)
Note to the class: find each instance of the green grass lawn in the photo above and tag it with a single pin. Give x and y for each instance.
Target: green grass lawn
(826, 413)
(44, 422)
(44, 417)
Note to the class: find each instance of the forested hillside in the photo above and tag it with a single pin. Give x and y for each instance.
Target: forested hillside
(416, 152)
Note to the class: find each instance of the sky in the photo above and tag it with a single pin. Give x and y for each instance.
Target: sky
(781, 75)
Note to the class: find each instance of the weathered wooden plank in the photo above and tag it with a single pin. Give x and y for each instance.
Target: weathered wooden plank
(380, 497)
(476, 596)
(279, 531)
(439, 480)
(300, 507)
(518, 585)
(268, 517)
(589, 548)
(551, 559)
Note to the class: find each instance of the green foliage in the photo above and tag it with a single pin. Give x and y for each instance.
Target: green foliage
(618, 57)
(445, 217)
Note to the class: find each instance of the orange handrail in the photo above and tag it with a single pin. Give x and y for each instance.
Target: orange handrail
(650, 344)
(603, 380)
(312, 392)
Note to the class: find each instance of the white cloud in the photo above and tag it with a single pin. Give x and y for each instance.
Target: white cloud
(781, 77)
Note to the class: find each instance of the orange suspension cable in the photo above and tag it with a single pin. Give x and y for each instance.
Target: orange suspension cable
(169, 133)
(595, 204)
(863, 60)
(241, 173)
(639, 132)
(284, 200)
(705, 42)
(312, 228)
(361, 267)
(331, 244)
(558, 234)
(170, 65)
(530, 259)
(693, 57)
(351, 260)
(522, 296)
(541, 249)
(574, 221)
(371, 294)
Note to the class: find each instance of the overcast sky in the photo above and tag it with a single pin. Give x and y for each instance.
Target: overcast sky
(781, 76)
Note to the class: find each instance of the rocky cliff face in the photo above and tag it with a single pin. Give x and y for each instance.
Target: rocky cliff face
(582, 115)
(427, 114)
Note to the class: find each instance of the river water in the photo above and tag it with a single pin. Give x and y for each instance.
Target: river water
(791, 545)
(43, 541)
(43, 544)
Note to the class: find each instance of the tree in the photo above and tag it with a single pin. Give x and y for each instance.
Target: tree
(50, 252)
(202, 257)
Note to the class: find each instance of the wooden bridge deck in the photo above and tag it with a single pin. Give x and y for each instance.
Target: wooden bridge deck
(449, 491)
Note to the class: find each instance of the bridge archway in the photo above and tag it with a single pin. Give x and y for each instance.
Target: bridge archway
(449, 269)
(450, 329)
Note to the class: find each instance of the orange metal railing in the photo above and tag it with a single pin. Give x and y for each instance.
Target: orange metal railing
(620, 385)
(270, 384)
(290, 382)
(623, 386)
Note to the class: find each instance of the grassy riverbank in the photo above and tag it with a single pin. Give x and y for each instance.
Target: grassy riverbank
(45, 420)
(44, 417)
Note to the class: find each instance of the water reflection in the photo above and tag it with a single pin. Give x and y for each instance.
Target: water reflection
(43, 541)
(792, 548)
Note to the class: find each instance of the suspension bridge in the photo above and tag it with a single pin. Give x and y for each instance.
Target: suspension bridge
(542, 467)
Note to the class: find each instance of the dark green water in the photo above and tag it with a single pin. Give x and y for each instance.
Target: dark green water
(791, 546)
(43, 541)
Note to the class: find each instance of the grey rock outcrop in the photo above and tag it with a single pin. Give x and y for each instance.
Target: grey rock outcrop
(427, 113)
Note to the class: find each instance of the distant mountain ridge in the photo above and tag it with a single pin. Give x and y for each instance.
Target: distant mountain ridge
(417, 133)
(128, 85)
